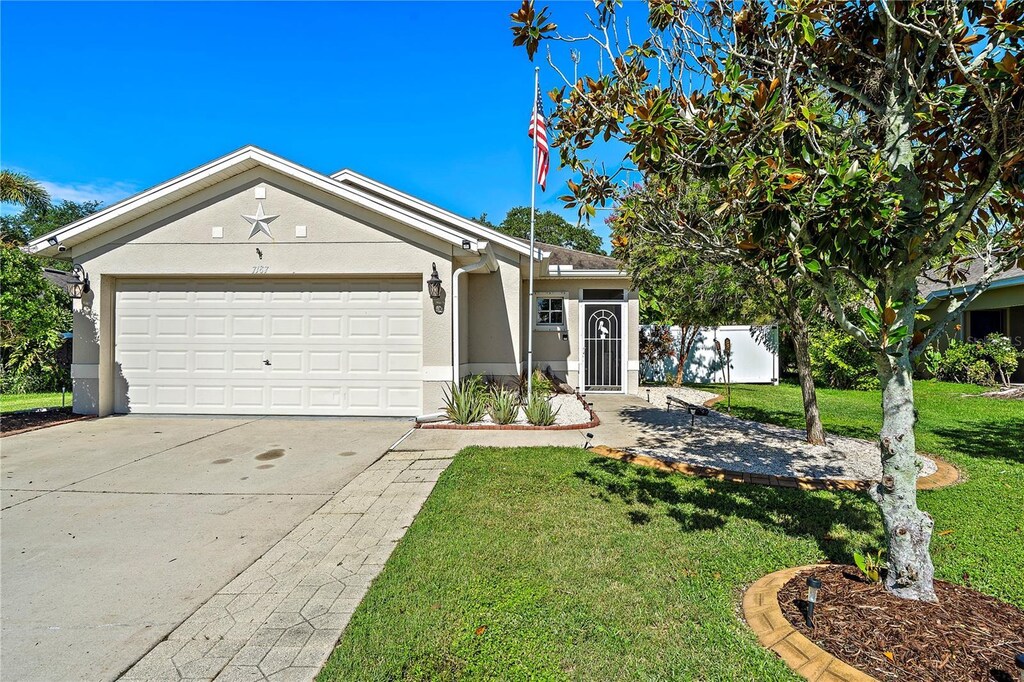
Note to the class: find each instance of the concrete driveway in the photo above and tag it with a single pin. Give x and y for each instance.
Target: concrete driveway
(115, 530)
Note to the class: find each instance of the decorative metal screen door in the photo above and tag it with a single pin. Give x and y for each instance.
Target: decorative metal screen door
(602, 347)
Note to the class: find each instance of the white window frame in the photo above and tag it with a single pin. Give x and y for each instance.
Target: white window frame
(549, 326)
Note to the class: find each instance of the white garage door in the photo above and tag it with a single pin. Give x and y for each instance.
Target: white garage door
(315, 347)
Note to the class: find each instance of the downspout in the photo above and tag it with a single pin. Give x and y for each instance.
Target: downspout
(486, 260)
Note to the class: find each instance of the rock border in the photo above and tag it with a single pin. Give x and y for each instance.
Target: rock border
(763, 614)
(594, 421)
(946, 475)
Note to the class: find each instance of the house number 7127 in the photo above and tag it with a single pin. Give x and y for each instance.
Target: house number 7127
(260, 269)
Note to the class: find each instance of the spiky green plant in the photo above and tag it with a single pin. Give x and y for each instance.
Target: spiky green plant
(466, 402)
(539, 411)
(504, 405)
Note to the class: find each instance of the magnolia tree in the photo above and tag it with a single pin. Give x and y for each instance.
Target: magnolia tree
(676, 222)
(853, 144)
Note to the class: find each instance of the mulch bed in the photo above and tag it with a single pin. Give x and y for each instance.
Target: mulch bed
(21, 422)
(966, 636)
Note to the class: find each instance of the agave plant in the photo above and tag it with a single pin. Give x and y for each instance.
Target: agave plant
(466, 402)
(539, 411)
(504, 405)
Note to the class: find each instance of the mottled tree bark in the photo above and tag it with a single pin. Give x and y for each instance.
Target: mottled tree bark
(908, 529)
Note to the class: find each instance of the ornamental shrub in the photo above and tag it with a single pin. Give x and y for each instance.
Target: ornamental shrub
(839, 361)
(980, 372)
(1003, 355)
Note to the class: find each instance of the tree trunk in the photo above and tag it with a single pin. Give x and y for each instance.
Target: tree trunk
(908, 529)
(687, 335)
(812, 417)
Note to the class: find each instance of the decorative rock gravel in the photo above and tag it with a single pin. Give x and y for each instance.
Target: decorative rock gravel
(725, 442)
(690, 395)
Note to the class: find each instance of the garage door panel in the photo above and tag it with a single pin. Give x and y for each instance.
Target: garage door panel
(335, 347)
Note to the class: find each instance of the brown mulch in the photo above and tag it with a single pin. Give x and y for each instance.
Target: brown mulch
(967, 636)
(20, 422)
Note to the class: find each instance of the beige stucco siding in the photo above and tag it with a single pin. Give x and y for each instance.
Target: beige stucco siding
(493, 315)
(178, 240)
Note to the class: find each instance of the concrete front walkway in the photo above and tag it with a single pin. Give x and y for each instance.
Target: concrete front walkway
(280, 619)
(116, 530)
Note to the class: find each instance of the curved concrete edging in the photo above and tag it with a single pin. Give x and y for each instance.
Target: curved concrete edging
(763, 614)
(946, 475)
(594, 421)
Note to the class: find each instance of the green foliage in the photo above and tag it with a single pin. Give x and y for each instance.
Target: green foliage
(550, 228)
(975, 362)
(33, 316)
(1003, 355)
(18, 188)
(503, 405)
(656, 345)
(839, 361)
(539, 411)
(980, 372)
(870, 565)
(35, 222)
(466, 402)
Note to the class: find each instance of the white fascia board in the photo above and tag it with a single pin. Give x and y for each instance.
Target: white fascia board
(963, 289)
(351, 177)
(569, 271)
(110, 215)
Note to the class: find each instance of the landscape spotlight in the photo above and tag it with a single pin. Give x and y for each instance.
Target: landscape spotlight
(813, 585)
(1020, 665)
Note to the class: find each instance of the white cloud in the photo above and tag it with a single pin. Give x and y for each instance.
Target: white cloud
(107, 192)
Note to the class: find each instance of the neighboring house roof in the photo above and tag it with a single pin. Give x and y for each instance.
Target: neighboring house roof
(934, 284)
(577, 260)
(351, 187)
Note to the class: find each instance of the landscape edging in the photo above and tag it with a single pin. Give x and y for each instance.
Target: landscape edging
(763, 614)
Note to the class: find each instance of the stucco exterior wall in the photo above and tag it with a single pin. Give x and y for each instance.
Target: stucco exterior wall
(178, 240)
(494, 321)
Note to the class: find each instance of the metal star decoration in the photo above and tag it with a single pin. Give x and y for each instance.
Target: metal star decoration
(260, 222)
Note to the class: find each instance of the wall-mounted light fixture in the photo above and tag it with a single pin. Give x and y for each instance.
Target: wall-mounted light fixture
(465, 244)
(434, 289)
(79, 284)
(52, 241)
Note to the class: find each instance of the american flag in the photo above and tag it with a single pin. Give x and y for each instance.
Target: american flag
(539, 131)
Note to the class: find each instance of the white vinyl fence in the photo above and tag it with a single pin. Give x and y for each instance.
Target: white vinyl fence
(755, 356)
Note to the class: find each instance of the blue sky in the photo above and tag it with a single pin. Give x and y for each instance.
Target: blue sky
(100, 100)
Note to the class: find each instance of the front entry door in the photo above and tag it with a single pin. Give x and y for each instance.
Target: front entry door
(602, 347)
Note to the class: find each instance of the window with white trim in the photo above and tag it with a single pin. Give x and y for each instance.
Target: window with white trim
(550, 311)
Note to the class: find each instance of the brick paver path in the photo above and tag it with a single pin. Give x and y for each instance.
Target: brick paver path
(281, 617)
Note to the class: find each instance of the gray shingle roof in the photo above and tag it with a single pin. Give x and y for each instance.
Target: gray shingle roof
(579, 260)
(936, 281)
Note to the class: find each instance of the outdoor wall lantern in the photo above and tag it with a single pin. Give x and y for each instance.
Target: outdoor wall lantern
(79, 283)
(434, 290)
(813, 585)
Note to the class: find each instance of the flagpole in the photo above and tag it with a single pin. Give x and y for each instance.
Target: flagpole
(533, 248)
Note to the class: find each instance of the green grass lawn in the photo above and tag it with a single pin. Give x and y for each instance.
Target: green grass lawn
(551, 563)
(15, 402)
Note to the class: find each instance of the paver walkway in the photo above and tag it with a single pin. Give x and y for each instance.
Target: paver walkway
(281, 617)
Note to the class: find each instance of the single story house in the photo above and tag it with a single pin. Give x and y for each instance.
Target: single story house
(253, 285)
(999, 309)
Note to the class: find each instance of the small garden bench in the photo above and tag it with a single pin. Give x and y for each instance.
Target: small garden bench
(694, 410)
